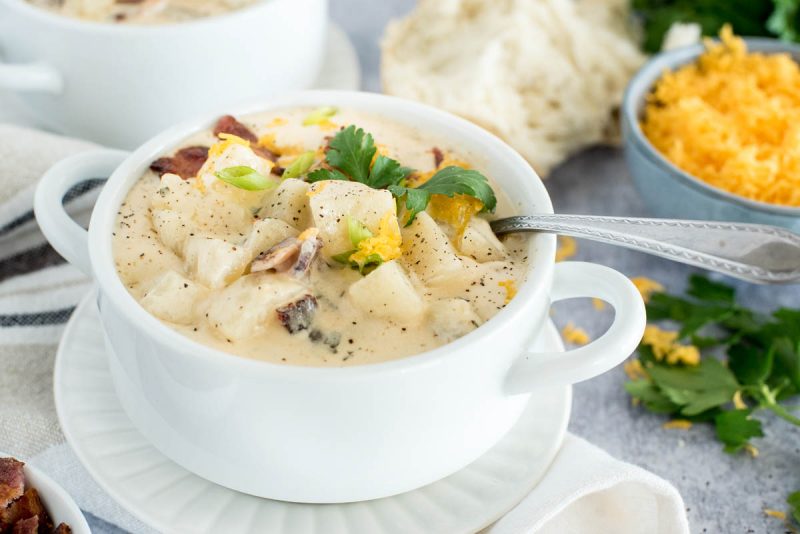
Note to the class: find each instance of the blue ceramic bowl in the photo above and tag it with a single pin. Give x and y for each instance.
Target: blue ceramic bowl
(670, 192)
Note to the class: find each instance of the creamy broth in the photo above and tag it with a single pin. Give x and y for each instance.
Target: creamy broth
(141, 11)
(194, 268)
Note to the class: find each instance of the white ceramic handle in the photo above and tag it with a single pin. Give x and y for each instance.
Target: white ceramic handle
(37, 77)
(67, 236)
(575, 280)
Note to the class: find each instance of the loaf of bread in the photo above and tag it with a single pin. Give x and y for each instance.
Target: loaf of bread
(547, 76)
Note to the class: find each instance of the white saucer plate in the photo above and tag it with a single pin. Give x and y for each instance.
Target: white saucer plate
(171, 499)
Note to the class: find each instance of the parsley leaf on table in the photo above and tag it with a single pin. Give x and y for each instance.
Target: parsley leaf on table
(794, 503)
(735, 428)
(747, 357)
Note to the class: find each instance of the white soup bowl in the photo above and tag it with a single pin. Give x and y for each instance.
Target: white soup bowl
(336, 434)
(119, 84)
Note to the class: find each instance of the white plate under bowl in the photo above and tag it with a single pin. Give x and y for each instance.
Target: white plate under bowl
(56, 500)
(171, 499)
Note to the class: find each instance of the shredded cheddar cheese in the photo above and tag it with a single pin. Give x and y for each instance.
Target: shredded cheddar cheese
(456, 211)
(732, 119)
(634, 370)
(567, 247)
(226, 140)
(647, 287)
(575, 335)
(316, 189)
(277, 121)
(665, 347)
(678, 424)
(387, 243)
(738, 403)
(599, 304)
(511, 288)
(268, 141)
(777, 514)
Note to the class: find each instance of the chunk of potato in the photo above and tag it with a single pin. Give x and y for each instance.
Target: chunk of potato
(480, 243)
(214, 262)
(289, 202)
(174, 298)
(331, 203)
(173, 228)
(244, 308)
(233, 156)
(265, 234)
(388, 293)
(478, 284)
(427, 251)
(175, 193)
(452, 318)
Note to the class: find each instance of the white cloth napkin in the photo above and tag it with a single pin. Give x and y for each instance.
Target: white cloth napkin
(584, 491)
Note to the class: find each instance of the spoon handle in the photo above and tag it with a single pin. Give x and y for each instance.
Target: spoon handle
(753, 252)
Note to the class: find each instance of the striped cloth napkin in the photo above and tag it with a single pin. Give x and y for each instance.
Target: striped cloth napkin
(38, 292)
(585, 490)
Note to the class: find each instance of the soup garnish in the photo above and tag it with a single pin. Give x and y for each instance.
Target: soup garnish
(289, 238)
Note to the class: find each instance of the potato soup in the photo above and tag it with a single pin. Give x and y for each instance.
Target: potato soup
(141, 11)
(318, 237)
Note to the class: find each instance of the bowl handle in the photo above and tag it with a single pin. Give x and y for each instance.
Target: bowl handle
(575, 280)
(37, 77)
(67, 236)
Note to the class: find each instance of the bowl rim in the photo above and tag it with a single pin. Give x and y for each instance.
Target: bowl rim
(641, 84)
(104, 217)
(98, 27)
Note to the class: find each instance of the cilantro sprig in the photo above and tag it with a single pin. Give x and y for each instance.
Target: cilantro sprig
(350, 157)
(750, 364)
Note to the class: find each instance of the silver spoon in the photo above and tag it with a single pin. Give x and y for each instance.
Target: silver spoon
(753, 252)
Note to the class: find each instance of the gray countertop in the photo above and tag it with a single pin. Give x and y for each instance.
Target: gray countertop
(723, 493)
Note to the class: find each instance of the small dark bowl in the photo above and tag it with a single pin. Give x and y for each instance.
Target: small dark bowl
(667, 190)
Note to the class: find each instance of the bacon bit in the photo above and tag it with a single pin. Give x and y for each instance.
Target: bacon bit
(647, 287)
(27, 526)
(677, 424)
(264, 153)
(279, 257)
(298, 315)
(575, 335)
(186, 162)
(28, 505)
(567, 248)
(12, 480)
(293, 254)
(738, 403)
(511, 289)
(634, 370)
(599, 304)
(777, 514)
(229, 125)
(438, 156)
